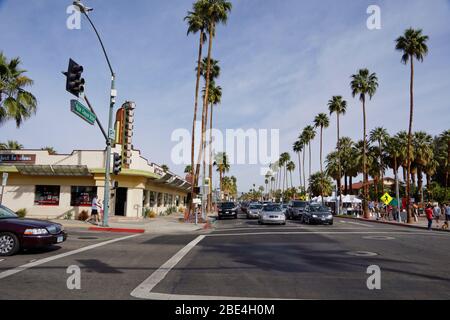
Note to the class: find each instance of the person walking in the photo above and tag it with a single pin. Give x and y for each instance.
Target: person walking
(429, 214)
(437, 213)
(95, 207)
(447, 212)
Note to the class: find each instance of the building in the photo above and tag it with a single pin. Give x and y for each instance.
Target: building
(358, 187)
(61, 185)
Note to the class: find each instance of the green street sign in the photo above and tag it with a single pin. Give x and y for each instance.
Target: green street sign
(83, 112)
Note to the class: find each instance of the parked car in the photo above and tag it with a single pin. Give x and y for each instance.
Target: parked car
(254, 210)
(284, 207)
(272, 214)
(296, 208)
(16, 233)
(226, 210)
(317, 214)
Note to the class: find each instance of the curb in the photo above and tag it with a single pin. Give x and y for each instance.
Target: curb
(117, 230)
(392, 223)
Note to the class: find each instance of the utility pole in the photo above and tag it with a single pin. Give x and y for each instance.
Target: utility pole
(111, 134)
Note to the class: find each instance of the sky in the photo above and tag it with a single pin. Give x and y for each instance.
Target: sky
(281, 61)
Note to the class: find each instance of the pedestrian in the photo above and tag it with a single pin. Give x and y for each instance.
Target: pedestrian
(437, 213)
(95, 207)
(429, 214)
(415, 213)
(447, 212)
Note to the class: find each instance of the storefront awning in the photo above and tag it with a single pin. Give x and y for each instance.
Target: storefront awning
(53, 170)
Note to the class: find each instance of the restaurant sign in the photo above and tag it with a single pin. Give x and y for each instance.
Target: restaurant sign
(17, 158)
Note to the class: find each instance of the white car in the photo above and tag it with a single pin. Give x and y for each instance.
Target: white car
(272, 214)
(254, 210)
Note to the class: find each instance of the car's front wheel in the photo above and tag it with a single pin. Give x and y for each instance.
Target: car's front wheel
(9, 244)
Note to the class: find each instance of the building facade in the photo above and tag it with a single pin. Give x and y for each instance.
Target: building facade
(63, 185)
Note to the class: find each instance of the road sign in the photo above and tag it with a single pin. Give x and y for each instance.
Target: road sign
(386, 198)
(112, 134)
(4, 178)
(83, 112)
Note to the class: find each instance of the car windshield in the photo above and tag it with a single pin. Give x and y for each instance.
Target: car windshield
(272, 208)
(318, 209)
(6, 213)
(256, 206)
(227, 205)
(299, 204)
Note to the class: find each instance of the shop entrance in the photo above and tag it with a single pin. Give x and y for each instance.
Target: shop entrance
(121, 201)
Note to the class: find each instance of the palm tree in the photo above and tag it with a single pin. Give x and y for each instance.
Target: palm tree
(223, 166)
(320, 184)
(298, 148)
(332, 166)
(11, 145)
(423, 154)
(15, 102)
(321, 121)
(50, 150)
(188, 169)
(196, 23)
(364, 83)
(346, 159)
(304, 141)
(309, 135)
(339, 106)
(290, 166)
(380, 135)
(284, 159)
(214, 12)
(413, 45)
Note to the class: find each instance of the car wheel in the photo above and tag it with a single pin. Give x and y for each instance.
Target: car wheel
(9, 244)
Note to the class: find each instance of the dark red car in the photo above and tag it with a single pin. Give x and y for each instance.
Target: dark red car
(16, 233)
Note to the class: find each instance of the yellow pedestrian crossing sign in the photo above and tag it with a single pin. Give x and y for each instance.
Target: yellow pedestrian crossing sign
(386, 198)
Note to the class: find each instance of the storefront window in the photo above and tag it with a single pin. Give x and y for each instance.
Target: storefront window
(152, 199)
(47, 196)
(160, 199)
(82, 196)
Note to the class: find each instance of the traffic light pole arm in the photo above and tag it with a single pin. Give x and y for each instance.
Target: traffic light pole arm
(97, 120)
(101, 43)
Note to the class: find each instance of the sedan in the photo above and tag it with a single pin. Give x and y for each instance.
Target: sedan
(227, 209)
(272, 214)
(16, 233)
(254, 211)
(317, 214)
(296, 209)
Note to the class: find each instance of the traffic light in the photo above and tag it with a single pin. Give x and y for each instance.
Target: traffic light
(117, 163)
(74, 82)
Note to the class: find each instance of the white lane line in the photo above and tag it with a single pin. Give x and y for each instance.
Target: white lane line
(59, 256)
(321, 232)
(156, 277)
(143, 291)
(358, 224)
(2, 260)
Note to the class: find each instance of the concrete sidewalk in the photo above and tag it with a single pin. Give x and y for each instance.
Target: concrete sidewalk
(172, 224)
(422, 222)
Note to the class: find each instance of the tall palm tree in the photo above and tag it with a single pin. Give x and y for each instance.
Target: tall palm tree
(346, 159)
(304, 141)
(15, 102)
(290, 166)
(380, 135)
(223, 166)
(11, 145)
(423, 154)
(197, 23)
(321, 121)
(285, 157)
(298, 148)
(215, 12)
(338, 106)
(332, 166)
(364, 84)
(413, 45)
(309, 135)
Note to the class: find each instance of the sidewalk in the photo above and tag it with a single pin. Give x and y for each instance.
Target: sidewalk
(421, 224)
(172, 224)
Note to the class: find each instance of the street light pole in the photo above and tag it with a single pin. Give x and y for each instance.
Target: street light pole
(112, 100)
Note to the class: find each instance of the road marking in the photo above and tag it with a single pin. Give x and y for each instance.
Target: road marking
(59, 256)
(2, 260)
(321, 232)
(359, 224)
(143, 291)
(156, 277)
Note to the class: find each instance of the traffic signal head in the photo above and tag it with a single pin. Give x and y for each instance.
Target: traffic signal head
(74, 82)
(117, 163)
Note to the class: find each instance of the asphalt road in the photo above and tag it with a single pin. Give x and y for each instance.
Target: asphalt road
(238, 259)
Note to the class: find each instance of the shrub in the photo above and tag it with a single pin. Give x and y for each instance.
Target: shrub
(22, 213)
(170, 210)
(149, 213)
(181, 210)
(68, 216)
(83, 215)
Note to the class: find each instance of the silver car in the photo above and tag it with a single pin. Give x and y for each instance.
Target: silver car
(272, 214)
(254, 210)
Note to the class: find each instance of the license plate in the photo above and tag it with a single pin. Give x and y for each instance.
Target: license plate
(60, 239)
(323, 219)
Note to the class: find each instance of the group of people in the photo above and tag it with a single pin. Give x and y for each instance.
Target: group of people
(435, 212)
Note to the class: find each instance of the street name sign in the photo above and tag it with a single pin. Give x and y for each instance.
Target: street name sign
(386, 198)
(83, 112)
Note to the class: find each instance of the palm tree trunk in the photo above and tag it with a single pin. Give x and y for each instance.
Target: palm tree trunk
(345, 184)
(339, 165)
(365, 204)
(381, 167)
(411, 115)
(321, 132)
(210, 160)
(299, 169)
(420, 183)
(197, 86)
(303, 169)
(350, 182)
(309, 144)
